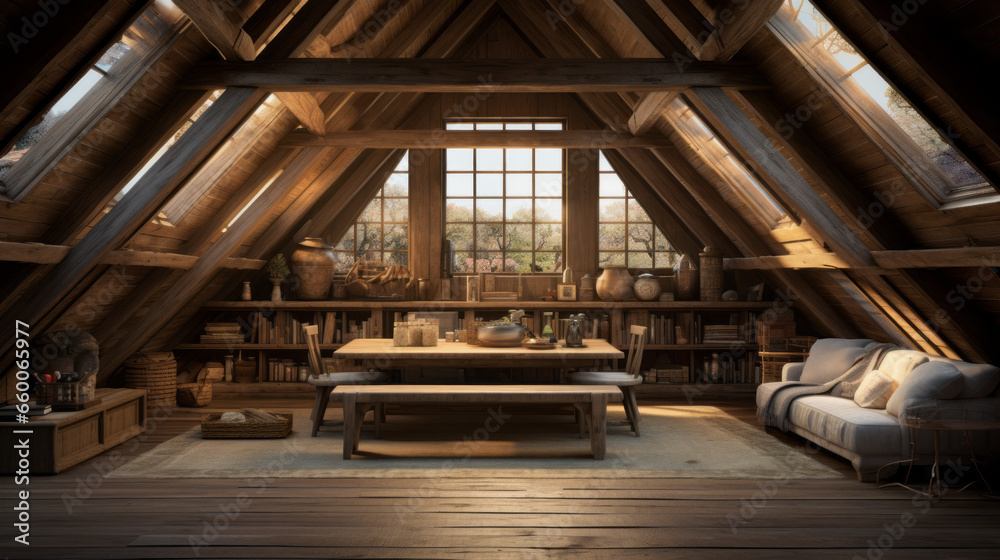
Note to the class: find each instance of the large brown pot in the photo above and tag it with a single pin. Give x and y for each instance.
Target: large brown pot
(614, 284)
(313, 265)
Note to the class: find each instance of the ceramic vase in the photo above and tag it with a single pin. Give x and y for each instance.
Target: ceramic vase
(313, 264)
(614, 284)
(647, 287)
(246, 296)
(276, 289)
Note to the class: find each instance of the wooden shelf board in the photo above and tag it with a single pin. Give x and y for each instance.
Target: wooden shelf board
(347, 305)
(248, 346)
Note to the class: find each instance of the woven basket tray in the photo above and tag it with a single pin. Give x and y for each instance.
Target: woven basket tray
(253, 428)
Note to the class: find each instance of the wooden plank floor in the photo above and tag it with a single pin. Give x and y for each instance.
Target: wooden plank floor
(82, 514)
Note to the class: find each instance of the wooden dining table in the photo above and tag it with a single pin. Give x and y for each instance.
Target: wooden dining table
(380, 353)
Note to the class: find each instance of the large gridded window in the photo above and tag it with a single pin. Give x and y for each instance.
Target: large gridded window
(504, 207)
(927, 157)
(626, 234)
(381, 234)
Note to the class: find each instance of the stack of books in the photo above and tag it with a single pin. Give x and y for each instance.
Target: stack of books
(222, 333)
(722, 333)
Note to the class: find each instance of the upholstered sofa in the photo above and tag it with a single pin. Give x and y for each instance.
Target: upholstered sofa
(872, 437)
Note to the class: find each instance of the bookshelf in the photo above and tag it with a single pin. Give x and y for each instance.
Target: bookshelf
(697, 335)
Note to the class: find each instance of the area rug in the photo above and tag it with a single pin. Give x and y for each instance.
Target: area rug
(677, 441)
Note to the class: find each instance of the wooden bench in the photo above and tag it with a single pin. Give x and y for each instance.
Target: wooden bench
(591, 400)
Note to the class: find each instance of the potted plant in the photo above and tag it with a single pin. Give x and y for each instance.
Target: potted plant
(277, 269)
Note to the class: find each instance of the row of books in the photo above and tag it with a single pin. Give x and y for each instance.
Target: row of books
(687, 328)
(723, 368)
(265, 331)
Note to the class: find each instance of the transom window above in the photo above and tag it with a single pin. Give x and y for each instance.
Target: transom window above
(924, 153)
(626, 234)
(504, 207)
(381, 234)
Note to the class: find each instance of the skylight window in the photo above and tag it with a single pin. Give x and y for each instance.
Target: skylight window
(166, 146)
(104, 82)
(715, 153)
(918, 147)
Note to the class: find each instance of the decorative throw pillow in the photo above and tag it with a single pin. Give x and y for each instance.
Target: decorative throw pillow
(829, 358)
(932, 380)
(874, 390)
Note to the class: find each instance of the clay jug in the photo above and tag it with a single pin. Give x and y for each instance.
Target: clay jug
(313, 264)
(614, 284)
(647, 287)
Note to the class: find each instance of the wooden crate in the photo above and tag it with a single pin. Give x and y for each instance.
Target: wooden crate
(60, 440)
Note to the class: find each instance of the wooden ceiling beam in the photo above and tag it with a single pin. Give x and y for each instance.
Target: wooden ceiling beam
(222, 24)
(743, 135)
(660, 36)
(267, 18)
(957, 257)
(690, 26)
(440, 138)
(877, 315)
(734, 27)
(649, 108)
(457, 75)
(40, 253)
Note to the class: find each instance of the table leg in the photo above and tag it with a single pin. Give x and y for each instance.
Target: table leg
(350, 419)
(598, 424)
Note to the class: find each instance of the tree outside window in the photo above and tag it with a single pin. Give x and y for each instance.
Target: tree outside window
(381, 234)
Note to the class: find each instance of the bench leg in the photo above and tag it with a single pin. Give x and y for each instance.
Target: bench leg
(350, 419)
(580, 414)
(598, 425)
(632, 407)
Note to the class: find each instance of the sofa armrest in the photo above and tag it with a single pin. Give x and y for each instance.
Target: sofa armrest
(792, 371)
(986, 410)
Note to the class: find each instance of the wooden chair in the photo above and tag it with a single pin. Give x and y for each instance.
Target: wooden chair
(325, 382)
(625, 380)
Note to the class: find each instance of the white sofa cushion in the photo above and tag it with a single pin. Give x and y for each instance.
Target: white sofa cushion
(874, 390)
(829, 358)
(931, 380)
(980, 379)
(899, 363)
(865, 431)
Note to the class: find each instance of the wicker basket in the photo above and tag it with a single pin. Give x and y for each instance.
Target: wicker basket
(195, 395)
(155, 372)
(258, 425)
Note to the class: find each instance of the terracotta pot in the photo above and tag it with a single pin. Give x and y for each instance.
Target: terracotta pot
(614, 284)
(686, 275)
(647, 287)
(313, 264)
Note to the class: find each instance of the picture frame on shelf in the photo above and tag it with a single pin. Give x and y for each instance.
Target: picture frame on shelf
(566, 292)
